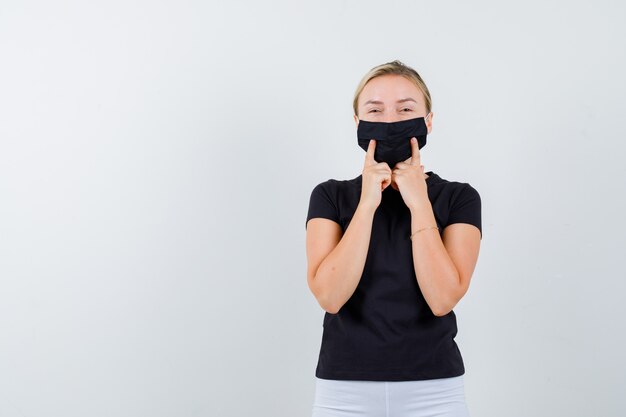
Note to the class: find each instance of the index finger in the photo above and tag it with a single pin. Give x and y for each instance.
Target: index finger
(414, 152)
(369, 155)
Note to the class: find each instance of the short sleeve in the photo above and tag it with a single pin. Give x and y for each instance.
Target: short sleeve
(466, 208)
(321, 204)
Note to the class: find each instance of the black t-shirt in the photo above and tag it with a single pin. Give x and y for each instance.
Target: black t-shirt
(386, 331)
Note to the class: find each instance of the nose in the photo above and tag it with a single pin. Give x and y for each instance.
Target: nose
(391, 118)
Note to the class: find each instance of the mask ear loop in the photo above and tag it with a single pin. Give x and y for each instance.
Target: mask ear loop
(427, 116)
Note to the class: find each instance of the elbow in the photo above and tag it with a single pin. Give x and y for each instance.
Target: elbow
(440, 312)
(332, 310)
(323, 299)
(328, 306)
(444, 308)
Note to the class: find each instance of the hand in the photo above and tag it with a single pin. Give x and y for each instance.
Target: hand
(409, 176)
(375, 178)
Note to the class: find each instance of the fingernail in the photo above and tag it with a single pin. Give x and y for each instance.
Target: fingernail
(413, 140)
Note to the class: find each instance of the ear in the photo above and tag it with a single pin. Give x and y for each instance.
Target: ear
(429, 122)
(356, 120)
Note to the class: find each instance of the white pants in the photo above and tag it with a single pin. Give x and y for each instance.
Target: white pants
(443, 397)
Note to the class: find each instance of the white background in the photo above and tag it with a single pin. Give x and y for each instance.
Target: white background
(156, 162)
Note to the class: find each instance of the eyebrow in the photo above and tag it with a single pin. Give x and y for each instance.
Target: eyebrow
(404, 100)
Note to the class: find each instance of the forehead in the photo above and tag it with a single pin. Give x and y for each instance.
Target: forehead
(390, 88)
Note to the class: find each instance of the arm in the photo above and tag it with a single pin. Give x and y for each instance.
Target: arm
(443, 267)
(335, 263)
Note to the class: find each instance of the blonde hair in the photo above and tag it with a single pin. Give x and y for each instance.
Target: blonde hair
(396, 68)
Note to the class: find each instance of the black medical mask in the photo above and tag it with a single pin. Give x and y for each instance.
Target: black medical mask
(393, 140)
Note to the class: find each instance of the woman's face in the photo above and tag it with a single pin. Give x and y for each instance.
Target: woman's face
(391, 98)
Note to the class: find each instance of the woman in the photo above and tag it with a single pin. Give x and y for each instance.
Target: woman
(390, 253)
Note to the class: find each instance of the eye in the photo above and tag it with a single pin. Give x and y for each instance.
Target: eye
(407, 109)
(373, 111)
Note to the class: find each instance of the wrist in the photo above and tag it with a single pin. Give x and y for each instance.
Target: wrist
(423, 229)
(421, 208)
(365, 209)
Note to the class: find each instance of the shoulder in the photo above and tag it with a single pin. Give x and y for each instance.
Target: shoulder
(458, 189)
(462, 203)
(333, 199)
(464, 191)
(336, 186)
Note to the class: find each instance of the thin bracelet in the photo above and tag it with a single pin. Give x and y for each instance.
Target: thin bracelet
(425, 228)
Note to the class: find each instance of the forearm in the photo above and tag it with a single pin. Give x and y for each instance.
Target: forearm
(340, 272)
(436, 274)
